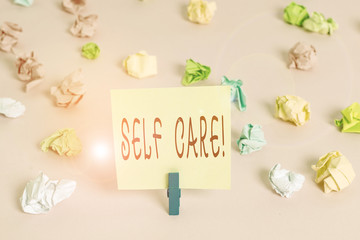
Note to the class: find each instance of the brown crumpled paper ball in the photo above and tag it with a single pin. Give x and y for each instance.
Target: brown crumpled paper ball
(29, 70)
(70, 91)
(9, 34)
(73, 6)
(302, 56)
(84, 26)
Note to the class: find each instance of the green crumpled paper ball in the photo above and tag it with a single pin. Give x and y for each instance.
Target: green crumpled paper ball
(252, 139)
(90, 50)
(318, 23)
(351, 119)
(195, 72)
(237, 95)
(295, 14)
(26, 3)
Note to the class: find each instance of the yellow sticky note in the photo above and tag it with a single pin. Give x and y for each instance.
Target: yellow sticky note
(185, 130)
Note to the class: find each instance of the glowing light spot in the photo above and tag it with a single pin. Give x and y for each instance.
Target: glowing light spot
(101, 151)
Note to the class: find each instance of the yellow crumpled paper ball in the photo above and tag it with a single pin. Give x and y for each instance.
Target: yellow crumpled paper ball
(140, 65)
(200, 11)
(335, 170)
(64, 142)
(293, 109)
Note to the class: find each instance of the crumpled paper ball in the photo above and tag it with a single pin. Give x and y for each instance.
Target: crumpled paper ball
(200, 11)
(195, 72)
(70, 91)
(41, 194)
(318, 23)
(252, 139)
(237, 94)
(335, 171)
(73, 6)
(11, 108)
(293, 109)
(25, 3)
(285, 182)
(295, 14)
(29, 70)
(351, 119)
(302, 56)
(84, 26)
(90, 50)
(9, 34)
(140, 65)
(64, 142)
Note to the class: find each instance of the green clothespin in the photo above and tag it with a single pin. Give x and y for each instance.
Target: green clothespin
(174, 193)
